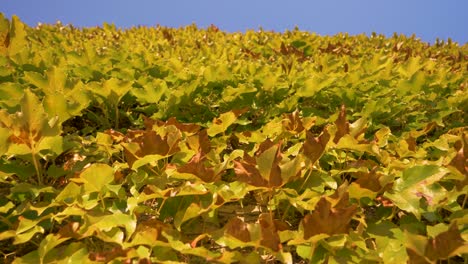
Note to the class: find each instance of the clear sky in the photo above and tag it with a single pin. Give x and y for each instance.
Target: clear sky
(427, 19)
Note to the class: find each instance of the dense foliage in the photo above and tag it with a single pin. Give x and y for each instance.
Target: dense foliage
(195, 145)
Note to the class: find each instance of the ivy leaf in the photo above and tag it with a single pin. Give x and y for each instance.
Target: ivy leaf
(313, 85)
(293, 123)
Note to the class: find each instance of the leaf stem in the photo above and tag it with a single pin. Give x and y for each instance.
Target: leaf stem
(117, 116)
(36, 165)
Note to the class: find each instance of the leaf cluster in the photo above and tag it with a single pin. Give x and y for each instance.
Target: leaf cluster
(160, 145)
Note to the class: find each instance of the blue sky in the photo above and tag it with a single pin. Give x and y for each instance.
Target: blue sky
(427, 19)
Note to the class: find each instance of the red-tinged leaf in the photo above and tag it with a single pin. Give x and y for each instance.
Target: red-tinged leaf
(151, 143)
(238, 229)
(116, 136)
(269, 232)
(197, 167)
(313, 148)
(342, 125)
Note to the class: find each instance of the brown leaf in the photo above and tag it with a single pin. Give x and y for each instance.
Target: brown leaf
(106, 256)
(247, 172)
(415, 258)
(313, 148)
(445, 244)
(269, 232)
(326, 219)
(238, 229)
(342, 125)
(151, 143)
(293, 122)
(369, 180)
(200, 142)
(116, 136)
(247, 169)
(70, 230)
(185, 127)
(460, 161)
(265, 145)
(197, 167)
(152, 228)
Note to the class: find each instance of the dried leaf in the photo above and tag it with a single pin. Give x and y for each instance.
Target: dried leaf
(313, 148)
(238, 229)
(329, 219)
(197, 167)
(342, 125)
(269, 232)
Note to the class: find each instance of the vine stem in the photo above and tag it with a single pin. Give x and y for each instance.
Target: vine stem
(36, 162)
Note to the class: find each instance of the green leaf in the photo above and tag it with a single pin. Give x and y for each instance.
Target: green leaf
(192, 211)
(10, 95)
(266, 162)
(28, 234)
(314, 85)
(424, 174)
(48, 243)
(108, 222)
(221, 123)
(417, 182)
(96, 177)
(4, 136)
(151, 93)
(18, 35)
